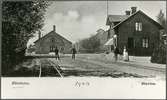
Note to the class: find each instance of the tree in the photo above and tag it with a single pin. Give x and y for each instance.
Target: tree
(161, 19)
(159, 53)
(20, 20)
(91, 44)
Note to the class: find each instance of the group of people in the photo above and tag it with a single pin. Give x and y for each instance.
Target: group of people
(116, 53)
(73, 50)
(125, 54)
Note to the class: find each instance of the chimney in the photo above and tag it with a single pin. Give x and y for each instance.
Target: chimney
(39, 34)
(133, 10)
(127, 12)
(54, 28)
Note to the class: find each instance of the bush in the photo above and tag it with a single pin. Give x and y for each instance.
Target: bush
(159, 54)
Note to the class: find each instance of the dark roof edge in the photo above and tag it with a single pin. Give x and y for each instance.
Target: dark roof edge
(50, 33)
(135, 14)
(125, 19)
(42, 37)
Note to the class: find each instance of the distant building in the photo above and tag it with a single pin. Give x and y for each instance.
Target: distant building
(47, 43)
(135, 30)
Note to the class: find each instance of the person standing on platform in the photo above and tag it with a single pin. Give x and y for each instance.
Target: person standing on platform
(116, 52)
(57, 53)
(125, 54)
(74, 51)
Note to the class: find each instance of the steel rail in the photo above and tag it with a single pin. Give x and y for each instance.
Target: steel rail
(55, 67)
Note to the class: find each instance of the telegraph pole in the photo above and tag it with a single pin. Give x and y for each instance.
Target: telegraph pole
(107, 8)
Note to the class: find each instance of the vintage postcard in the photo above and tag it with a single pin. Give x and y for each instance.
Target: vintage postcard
(83, 49)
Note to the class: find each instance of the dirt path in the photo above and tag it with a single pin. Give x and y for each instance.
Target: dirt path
(84, 64)
(140, 70)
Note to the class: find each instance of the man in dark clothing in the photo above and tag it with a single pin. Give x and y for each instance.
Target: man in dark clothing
(57, 53)
(73, 53)
(116, 52)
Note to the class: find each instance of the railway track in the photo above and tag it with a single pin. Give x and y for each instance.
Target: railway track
(49, 68)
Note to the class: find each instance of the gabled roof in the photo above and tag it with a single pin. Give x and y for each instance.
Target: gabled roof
(156, 23)
(116, 18)
(52, 32)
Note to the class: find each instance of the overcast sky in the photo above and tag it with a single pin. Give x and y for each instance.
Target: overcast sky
(76, 20)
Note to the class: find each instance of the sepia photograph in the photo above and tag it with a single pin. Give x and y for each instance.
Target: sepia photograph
(102, 44)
